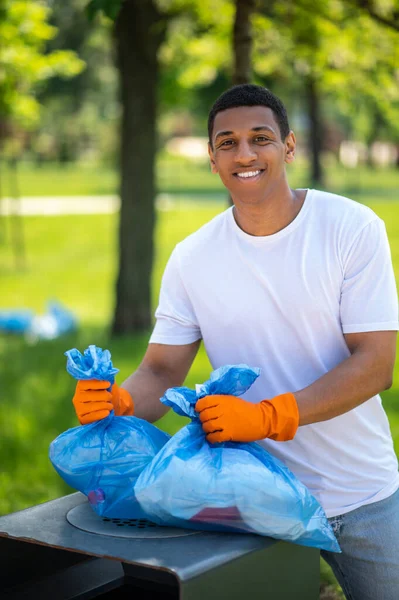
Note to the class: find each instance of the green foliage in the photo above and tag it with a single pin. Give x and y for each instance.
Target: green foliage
(352, 58)
(110, 8)
(81, 114)
(198, 43)
(381, 11)
(24, 32)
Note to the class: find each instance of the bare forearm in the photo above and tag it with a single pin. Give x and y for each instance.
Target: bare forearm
(163, 366)
(146, 387)
(355, 380)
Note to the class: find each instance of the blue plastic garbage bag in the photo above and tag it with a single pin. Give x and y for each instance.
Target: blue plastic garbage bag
(230, 486)
(103, 459)
(15, 320)
(57, 321)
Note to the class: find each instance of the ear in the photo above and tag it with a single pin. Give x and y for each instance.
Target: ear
(212, 159)
(290, 145)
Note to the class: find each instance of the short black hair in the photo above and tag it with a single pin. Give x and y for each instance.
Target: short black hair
(248, 94)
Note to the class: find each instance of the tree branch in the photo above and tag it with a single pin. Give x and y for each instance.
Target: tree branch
(367, 6)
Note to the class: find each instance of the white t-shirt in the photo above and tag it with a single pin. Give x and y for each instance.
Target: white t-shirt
(282, 303)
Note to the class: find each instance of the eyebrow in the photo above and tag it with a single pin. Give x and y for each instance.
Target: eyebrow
(259, 128)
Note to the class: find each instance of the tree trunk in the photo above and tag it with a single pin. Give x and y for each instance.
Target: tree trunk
(139, 32)
(315, 130)
(2, 218)
(242, 41)
(377, 123)
(17, 229)
(242, 47)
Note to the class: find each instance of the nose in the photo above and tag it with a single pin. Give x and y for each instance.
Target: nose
(245, 154)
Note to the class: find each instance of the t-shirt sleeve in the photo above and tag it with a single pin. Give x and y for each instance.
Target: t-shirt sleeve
(176, 322)
(369, 300)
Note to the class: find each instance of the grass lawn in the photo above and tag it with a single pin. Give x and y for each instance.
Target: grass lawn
(186, 177)
(73, 259)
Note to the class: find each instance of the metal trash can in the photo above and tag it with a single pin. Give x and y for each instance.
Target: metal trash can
(62, 550)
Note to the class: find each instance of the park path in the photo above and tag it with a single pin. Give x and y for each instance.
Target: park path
(72, 205)
(60, 205)
(100, 205)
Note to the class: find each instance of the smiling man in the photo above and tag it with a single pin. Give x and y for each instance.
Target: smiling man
(299, 283)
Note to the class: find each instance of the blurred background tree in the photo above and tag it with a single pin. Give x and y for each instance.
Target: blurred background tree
(26, 64)
(386, 13)
(313, 48)
(141, 27)
(81, 117)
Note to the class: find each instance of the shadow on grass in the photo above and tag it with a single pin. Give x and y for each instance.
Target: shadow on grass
(359, 193)
(210, 193)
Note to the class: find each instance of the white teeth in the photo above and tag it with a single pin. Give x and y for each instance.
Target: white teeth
(248, 174)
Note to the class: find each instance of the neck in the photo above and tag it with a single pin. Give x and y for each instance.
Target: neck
(277, 210)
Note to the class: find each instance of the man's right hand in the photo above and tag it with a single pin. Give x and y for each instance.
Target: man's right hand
(93, 401)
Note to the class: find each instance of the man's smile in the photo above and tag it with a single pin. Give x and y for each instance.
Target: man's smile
(249, 175)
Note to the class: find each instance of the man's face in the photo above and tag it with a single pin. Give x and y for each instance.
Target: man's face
(248, 152)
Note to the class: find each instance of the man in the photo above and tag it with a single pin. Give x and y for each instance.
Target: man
(299, 283)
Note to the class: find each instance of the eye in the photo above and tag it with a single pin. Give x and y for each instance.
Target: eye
(261, 138)
(226, 143)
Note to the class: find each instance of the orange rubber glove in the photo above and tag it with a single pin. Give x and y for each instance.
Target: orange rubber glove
(228, 418)
(93, 401)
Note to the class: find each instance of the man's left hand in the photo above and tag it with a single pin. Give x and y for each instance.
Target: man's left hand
(228, 418)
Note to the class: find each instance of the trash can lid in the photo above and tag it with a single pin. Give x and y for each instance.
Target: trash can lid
(83, 517)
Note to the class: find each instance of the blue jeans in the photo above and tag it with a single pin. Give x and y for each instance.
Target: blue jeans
(368, 568)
